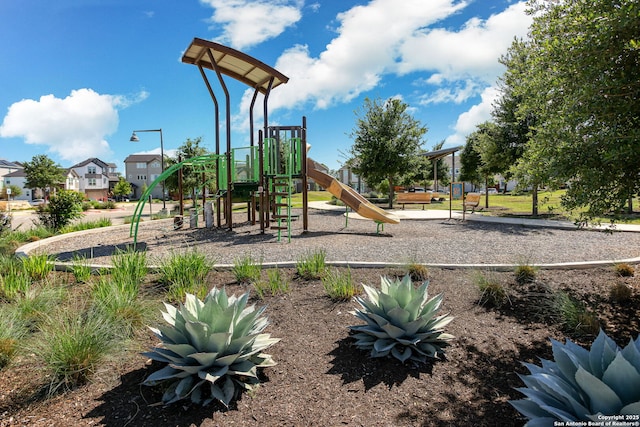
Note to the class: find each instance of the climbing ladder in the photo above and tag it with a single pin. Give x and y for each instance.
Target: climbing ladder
(282, 164)
(281, 189)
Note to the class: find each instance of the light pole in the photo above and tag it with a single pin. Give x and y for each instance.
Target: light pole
(134, 138)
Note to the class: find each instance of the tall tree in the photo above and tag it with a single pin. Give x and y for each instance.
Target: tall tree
(191, 178)
(386, 140)
(479, 157)
(43, 173)
(122, 188)
(584, 76)
(511, 152)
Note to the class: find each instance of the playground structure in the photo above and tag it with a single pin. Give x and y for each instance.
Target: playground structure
(261, 175)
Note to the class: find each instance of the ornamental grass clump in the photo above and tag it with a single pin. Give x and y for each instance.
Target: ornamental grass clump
(312, 265)
(401, 321)
(185, 273)
(581, 384)
(212, 348)
(12, 332)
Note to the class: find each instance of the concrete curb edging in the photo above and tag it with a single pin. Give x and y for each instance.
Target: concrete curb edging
(24, 250)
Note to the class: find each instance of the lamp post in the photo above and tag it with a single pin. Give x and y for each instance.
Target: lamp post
(134, 138)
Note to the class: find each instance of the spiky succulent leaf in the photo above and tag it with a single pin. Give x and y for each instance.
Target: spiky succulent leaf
(581, 384)
(212, 348)
(400, 321)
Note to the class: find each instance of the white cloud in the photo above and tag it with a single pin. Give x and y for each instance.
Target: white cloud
(75, 127)
(366, 48)
(380, 39)
(249, 22)
(456, 93)
(471, 52)
(477, 114)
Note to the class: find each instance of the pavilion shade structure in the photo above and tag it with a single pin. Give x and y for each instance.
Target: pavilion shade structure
(233, 63)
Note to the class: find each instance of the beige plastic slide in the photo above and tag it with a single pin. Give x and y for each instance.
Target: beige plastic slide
(349, 196)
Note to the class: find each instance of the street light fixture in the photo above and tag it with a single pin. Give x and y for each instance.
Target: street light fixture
(134, 138)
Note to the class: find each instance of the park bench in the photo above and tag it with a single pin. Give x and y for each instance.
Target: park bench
(413, 198)
(472, 200)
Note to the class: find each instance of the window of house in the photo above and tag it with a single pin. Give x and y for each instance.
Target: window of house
(130, 176)
(92, 182)
(91, 169)
(154, 177)
(142, 177)
(141, 165)
(155, 164)
(7, 181)
(104, 180)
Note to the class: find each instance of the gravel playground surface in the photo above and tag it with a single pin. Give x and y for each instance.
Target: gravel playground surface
(423, 241)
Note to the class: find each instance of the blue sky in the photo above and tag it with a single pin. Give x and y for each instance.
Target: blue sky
(78, 76)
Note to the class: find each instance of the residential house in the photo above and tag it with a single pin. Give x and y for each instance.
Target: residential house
(19, 179)
(141, 170)
(96, 178)
(311, 184)
(72, 182)
(349, 178)
(7, 167)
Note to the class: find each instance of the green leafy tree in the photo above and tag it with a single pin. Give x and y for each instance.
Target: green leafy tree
(583, 77)
(479, 161)
(43, 173)
(63, 207)
(191, 178)
(387, 139)
(122, 188)
(511, 149)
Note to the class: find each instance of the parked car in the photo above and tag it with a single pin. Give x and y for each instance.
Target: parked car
(36, 202)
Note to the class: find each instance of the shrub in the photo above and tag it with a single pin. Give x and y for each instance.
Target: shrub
(311, 265)
(492, 292)
(525, 273)
(185, 273)
(5, 222)
(339, 285)
(624, 270)
(276, 283)
(401, 321)
(211, 348)
(581, 384)
(62, 208)
(620, 292)
(73, 344)
(246, 270)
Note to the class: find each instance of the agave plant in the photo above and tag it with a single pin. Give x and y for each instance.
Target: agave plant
(212, 348)
(582, 385)
(401, 321)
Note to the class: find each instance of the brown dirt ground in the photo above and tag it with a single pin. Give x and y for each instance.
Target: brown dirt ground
(322, 380)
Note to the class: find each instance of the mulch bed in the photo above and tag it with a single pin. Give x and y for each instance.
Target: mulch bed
(321, 378)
